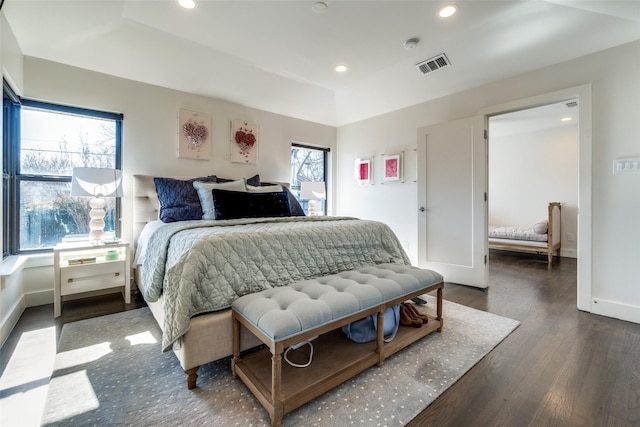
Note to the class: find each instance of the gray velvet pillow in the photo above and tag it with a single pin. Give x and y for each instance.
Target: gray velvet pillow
(541, 227)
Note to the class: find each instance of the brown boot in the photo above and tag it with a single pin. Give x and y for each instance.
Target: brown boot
(415, 313)
(407, 318)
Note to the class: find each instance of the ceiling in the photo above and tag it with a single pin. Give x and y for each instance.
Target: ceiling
(560, 115)
(280, 56)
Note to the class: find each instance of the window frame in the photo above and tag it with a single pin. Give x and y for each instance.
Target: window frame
(325, 172)
(10, 133)
(12, 147)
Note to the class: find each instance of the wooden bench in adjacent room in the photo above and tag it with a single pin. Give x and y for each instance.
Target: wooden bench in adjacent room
(286, 316)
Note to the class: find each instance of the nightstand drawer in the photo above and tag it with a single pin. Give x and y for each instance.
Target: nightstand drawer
(92, 277)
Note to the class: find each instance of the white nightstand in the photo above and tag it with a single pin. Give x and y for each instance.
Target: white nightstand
(82, 267)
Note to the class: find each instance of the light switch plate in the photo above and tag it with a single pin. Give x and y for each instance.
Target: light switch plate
(626, 165)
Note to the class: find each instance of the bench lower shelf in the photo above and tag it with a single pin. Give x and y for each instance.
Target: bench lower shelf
(335, 360)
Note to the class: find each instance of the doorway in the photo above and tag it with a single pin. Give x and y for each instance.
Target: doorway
(583, 94)
(532, 161)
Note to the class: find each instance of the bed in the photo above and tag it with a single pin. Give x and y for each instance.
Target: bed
(541, 237)
(189, 271)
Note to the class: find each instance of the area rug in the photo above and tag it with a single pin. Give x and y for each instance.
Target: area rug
(110, 371)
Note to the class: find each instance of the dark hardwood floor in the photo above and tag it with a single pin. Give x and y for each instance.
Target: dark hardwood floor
(560, 367)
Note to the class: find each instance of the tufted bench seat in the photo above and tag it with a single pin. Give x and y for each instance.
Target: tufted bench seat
(283, 316)
(283, 312)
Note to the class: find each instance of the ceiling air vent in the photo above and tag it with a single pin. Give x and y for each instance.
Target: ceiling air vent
(572, 104)
(433, 64)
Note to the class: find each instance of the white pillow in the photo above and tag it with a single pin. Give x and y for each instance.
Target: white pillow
(541, 227)
(276, 188)
(206, 198)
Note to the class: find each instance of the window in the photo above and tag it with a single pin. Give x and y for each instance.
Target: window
(46, 143)
(308, 164)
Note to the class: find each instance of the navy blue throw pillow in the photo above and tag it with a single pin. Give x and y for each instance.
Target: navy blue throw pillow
(179, 199)
(294, 206)
(239, 204)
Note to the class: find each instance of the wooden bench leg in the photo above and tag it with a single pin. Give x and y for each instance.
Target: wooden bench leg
(380, 338)
(439, 309)
(235, 345)
(276, 389)
(192, 377)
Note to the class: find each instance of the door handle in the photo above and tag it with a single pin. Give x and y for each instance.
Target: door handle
(422, 209)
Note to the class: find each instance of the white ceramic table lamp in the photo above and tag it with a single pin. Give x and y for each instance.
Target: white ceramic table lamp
(312, 191)
(96, 183)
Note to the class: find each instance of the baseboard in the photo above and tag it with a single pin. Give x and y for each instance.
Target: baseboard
(569, 253)
(11, 319)
(617, 310)
(34, 299)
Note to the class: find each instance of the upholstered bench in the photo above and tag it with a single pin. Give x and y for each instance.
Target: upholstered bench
(285, 316)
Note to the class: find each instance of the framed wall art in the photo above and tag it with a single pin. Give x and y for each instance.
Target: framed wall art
(363, 171)
(194, 135)
(392, 168)
(244, 142)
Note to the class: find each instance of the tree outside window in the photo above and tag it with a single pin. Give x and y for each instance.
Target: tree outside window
(308, 164)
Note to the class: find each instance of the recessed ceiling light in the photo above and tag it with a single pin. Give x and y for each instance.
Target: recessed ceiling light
(566, 119)
(341, 68)
(448, 11)
(187, 4)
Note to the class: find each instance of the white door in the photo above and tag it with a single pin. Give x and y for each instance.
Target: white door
(452, 186)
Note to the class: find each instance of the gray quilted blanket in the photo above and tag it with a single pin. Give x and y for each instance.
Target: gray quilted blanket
(203, 266)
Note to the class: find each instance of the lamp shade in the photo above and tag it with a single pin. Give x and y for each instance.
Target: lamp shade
(313, 190)
(94, 182)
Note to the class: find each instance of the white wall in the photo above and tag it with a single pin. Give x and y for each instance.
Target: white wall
(529, 170)
(11, 56)
(616, 198)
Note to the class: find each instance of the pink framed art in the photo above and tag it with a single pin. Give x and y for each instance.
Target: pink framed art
(363, 171)
(392, 168)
